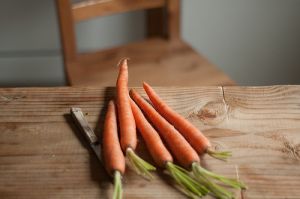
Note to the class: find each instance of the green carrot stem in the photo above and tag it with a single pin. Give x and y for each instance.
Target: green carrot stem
(215, 189)
(118, 191)
(139, 165)
(225, 180)
(221, 155)
(186, 183)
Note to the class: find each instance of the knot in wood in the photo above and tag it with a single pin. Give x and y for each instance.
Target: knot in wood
(213, 112)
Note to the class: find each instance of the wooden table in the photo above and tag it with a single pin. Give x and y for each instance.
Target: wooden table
(42, 154)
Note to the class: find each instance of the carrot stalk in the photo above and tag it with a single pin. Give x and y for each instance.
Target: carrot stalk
(112, 153)
(221, 155)
(217, 190)
(163, 158)
(192, 134)
(181, 149)
(187, 185)
(118, 190)
(227, 181)
(139, 165)
(128, 137)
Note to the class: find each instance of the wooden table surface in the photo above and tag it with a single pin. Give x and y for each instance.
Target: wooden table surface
(42, 154)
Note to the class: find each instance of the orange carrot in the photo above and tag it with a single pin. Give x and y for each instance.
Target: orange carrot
(113, 156)
(128, 137)
(192, 134)
(182, 150)
(163, 157)
(155, 145)
(126, 119)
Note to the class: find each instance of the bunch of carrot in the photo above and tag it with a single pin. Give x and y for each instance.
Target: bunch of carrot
(182, 138)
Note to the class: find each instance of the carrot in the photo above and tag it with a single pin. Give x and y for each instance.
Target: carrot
(182, 150)
(153, 142)
(191, 133)
(112, 153)
(127, 125)
(163, 157)
(126, 120)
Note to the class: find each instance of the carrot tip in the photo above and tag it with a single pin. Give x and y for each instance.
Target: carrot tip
(221, 155)
(139, 165)
(118, 191)
(145, 84)
(186, 183)
(123, 61)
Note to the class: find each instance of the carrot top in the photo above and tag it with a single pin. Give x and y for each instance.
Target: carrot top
(118, 190)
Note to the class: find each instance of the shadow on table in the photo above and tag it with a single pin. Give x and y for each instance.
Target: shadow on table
(98, 172)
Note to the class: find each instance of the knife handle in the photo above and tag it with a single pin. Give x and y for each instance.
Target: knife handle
(84, 126)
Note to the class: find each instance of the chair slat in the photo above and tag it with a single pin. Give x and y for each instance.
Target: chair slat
(93, 8)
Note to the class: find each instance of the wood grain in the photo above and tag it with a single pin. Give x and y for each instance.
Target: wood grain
(42, 154)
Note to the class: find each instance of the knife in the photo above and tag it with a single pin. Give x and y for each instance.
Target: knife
(87, 131)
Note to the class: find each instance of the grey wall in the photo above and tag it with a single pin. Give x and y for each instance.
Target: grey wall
(256, 42)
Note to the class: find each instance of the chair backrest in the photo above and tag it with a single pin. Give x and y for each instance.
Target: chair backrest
(162, 20)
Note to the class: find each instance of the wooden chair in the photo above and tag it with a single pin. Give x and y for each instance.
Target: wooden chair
(162, 59)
